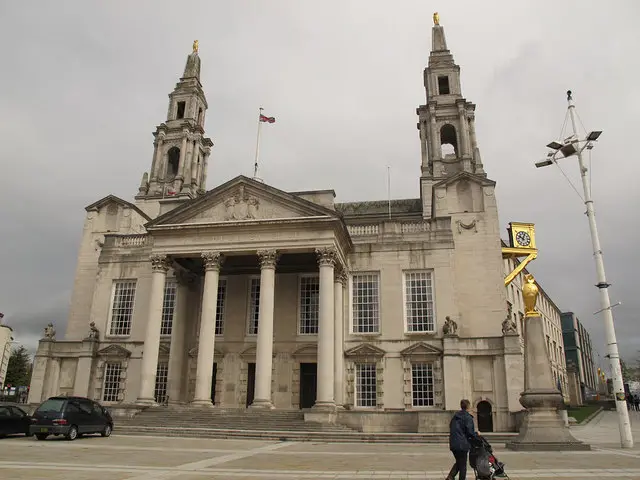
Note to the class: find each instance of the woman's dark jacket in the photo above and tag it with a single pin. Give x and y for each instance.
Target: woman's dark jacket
(461, 431)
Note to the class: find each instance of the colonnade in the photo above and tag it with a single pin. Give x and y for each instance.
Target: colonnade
(332, 279)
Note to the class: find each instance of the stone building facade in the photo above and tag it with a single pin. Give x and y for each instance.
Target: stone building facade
(249, 296)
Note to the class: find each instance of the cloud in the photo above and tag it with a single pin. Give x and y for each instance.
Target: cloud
(86, 84)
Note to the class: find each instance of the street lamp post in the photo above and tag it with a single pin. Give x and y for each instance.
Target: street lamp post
(571, 146)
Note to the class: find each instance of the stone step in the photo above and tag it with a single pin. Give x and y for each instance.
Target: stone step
(301, 436)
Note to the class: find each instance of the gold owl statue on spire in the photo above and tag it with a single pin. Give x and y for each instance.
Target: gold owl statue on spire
(436, 19)
(195, 46)
(530, 296)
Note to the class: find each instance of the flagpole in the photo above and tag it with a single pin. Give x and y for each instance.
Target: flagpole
(389, 187)
(255, 166)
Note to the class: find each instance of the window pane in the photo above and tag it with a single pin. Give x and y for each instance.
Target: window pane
(422, 384)
(365, 303)
(160, 392)
(168, 307)
(254, 306)
(222, 293)
(419, 302)
(111, 387)
(366, 388)
(309, 305)
(122, 308)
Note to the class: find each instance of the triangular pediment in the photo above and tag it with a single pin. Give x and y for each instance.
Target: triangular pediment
(112, 199)
(421, 349)
(365, 350)
(460, 176)
(243, 199)
(114, 351)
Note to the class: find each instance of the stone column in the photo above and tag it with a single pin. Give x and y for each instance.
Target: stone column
(464, 131)
(159, 265)
(338, 335)
(206, 341)
(205, 164)
(264, 348)
(177, 351)
(188, 164)
(177, 186)
(324, 397)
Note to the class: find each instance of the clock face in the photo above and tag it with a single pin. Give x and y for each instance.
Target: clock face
(523, 238)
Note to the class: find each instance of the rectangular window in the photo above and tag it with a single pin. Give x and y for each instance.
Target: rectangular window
(366, 387)
(162, 372)
(365, 302)
(443, 85)
(422, 384)
(180, 110)
(168, 307)
(418, 300)
(254, 306)
(124, 292)
(222, 293)
(309, 304)
(111, 386)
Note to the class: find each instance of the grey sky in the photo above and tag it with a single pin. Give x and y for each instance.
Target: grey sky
(84, 84)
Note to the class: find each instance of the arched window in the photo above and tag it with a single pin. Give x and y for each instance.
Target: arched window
(200, 116)
(448, 140)
(173, 161)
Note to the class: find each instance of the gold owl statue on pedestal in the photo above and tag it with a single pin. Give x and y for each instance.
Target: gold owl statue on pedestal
(530, 296)
(436, 19)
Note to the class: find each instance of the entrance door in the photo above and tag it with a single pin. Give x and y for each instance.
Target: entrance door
(251, 382)
(308, 384)
(485, 417)
(214, 374)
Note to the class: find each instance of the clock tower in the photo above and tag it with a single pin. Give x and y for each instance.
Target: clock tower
(181, 150)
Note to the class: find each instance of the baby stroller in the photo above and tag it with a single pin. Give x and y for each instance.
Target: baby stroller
(484, 463)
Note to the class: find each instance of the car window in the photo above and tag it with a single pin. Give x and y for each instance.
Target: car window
(72, 408)
(97, 409)
(84, 406)
(4, 412)
(17, 412)
(52, 405)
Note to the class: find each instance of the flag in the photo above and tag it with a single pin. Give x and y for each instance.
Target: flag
(264, 118)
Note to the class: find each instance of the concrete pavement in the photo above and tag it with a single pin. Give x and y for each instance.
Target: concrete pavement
(150, 458)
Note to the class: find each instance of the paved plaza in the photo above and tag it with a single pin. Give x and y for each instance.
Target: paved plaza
(149, 458)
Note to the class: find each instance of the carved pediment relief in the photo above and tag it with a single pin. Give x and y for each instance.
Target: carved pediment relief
(365, 350)
(217, 353)
(249, 353)
(421, 349)
(310, 350)
(114, 351)
(242, 199)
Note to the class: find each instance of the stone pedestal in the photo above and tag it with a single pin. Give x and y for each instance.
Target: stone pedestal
(542, 429)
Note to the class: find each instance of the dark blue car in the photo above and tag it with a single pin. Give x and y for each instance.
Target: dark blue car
(71, 417)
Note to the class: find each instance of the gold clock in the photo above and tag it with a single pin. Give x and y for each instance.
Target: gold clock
(522, 235)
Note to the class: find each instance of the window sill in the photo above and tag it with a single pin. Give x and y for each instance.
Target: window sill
(367, 334)
(116, 337)
(413, 334)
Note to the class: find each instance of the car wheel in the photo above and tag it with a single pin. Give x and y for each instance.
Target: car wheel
(72, 434)
(107, 431)
(41, 436)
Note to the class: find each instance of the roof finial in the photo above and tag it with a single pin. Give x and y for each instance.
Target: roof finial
(436, 18)
(195, 46)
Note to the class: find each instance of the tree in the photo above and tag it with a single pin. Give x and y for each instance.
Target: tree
(19, 368)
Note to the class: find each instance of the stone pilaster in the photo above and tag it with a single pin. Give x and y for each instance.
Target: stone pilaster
(177, 352)
(206, 341)
(159, 265)
(339, 285)
(264, 347)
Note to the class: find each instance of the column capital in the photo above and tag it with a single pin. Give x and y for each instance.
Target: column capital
(327, 256)
(341, 276)
(160, 262)
(268, 258)
(212, 260)
(185, 278)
